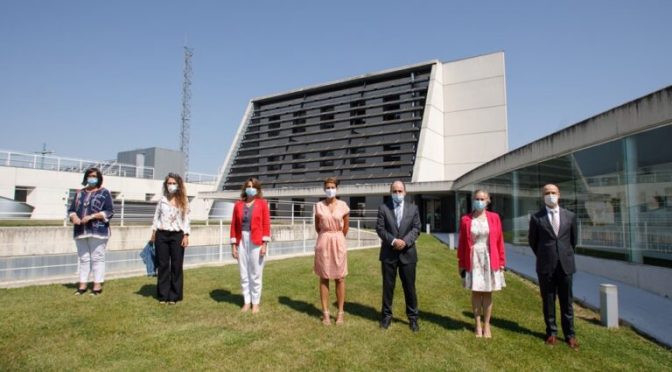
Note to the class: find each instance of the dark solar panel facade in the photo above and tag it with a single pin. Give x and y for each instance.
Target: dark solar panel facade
(363, 131)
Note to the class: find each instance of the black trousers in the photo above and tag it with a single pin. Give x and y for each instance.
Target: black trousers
(170, 257)
(557, 284)
(407, 276)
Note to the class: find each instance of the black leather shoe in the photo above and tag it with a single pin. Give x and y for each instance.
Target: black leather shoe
(413, 324)
(385, 322)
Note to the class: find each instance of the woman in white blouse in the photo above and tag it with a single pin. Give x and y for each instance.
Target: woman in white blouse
(170, 235)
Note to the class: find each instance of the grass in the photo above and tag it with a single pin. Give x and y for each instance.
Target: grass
(47, 328)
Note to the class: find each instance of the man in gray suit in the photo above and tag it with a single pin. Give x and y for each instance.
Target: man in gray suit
(398, 226)
(552, 237)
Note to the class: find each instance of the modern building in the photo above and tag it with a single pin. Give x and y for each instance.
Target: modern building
(39, 186)
(614, 170)
(417, 123)
(162, 161)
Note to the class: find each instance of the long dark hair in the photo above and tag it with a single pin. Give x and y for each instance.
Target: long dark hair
(181, 193)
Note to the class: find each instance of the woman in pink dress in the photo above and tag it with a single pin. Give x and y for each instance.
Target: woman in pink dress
(331, 255)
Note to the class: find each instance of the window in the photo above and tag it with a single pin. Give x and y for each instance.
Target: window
(327, 126)
(273, 133)
(149, 197)
(358, 150)
(21, 193)
(357, 121)
(326, 154)
(393, 147)
(298, 118)
(325, 117)
(357, 206)
(388, 117)
(393, 97)
(358, 103)
(274, 118)
(355, 161)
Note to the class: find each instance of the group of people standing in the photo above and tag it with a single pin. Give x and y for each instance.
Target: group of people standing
(481, 252)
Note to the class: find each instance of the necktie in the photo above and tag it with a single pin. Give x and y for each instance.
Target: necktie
(397, 213)
(555, 222)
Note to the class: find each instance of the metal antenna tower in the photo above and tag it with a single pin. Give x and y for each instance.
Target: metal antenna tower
(186, 107)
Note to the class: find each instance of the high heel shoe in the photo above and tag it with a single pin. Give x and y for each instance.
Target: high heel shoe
(339, 318)
(326, 320)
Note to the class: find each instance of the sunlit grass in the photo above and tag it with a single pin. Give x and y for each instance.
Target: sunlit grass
(47, 328)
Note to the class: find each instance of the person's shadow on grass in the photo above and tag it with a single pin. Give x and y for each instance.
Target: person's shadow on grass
(224, 295)
(147, 290)
(509, 325)
(300, 306)
(370, 313)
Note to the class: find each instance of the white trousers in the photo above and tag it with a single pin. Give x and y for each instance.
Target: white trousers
(251, 269)
(91, 253)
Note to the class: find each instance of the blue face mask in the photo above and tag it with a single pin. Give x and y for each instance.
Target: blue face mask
(250, 191)
(92, 181)
(479, 205)
(398, 198)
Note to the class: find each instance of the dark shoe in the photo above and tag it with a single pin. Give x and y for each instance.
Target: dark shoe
(80, 292)
(573, 344)
(413, 324)
(385, 322)
(96, 292)
(551, 340)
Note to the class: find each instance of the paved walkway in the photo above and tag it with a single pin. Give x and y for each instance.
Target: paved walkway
(647, 312)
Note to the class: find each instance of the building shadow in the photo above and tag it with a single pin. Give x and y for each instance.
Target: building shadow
(147, 290)
(508, 325)
(224, 295)
(300, 306)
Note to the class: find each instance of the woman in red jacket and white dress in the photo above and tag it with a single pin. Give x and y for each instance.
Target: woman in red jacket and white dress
(481, 258)
(250, 233)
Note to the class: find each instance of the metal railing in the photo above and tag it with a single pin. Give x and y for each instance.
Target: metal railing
(62, 267)
(62, 164)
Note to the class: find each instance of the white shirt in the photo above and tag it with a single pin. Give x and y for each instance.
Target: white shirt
(169, 218)
(550, 211)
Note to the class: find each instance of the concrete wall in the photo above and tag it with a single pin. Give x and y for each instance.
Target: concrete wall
(50, 190)
(26, 241)
(654, 279)
(465, 121)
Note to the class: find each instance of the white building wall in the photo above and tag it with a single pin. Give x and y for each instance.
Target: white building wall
(50, 190)
(465, 122)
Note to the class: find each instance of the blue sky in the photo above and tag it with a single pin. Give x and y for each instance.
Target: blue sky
(91, 78)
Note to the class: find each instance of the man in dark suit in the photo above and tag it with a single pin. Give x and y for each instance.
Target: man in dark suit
(398, 226)
(552, 237)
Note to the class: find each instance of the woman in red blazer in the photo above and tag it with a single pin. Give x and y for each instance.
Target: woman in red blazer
(250, 233)
(481, 258)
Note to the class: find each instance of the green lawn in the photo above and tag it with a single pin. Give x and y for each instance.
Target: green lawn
(47, 328)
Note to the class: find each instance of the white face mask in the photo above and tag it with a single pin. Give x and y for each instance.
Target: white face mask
(172, 188)
(551, 200)
(330, 193)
